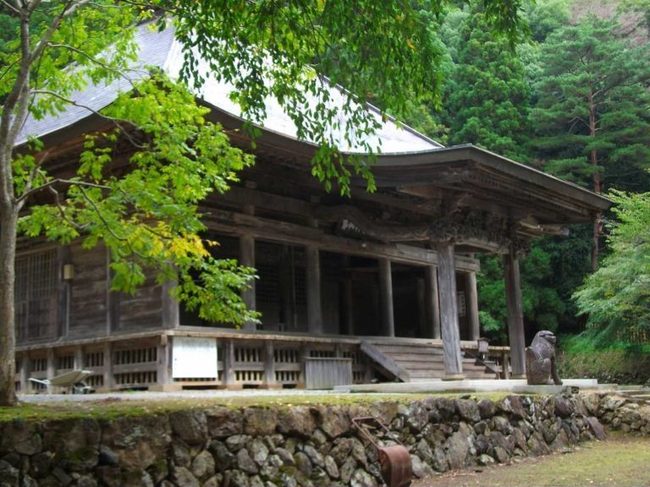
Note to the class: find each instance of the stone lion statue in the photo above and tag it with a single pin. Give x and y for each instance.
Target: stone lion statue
(540, 360)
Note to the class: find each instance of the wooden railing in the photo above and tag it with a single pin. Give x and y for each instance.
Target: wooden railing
(244, 359)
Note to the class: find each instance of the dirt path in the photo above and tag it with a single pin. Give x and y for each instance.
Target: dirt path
(620, 461)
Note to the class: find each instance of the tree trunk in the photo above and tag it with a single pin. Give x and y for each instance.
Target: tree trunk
(593, 158)
(8, 221)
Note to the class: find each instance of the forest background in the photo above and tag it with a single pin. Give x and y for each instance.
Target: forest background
(571, 97)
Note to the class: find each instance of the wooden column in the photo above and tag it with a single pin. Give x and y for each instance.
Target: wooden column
(314, 309)
(269, 367)
(162, 369)
(386, 293)
(78, 358)
(449, 312)
(228, 375)
(471, 295)
(170, 308)
(247, 258)
(432, 301)
(25, 367)
(108, 366)
(515, 315)
(51, 367)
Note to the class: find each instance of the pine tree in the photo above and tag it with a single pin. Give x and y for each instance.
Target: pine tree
(591, 119)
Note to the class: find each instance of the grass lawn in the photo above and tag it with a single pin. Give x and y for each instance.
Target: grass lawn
(620, 461)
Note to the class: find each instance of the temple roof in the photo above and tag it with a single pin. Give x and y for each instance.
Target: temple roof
(162, 50)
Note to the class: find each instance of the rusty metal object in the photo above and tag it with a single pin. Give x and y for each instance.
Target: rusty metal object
(395, 460)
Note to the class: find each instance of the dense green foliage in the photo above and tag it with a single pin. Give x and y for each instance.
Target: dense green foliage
(532, 103)
(487, 94)
(591, 117)
(617, 296)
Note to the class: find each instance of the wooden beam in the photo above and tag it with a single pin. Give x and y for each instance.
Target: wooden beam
(314, 306)
(386, 297)
(449, 312)
(515, 315)
(233, 223)
(471, 293)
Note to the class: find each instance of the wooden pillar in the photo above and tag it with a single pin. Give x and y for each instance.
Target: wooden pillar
(25, 366)
(304, 355)
(51, 367)
(471, 294)
(247, 258)
(78, 358)
(449, 312)
(432, 301)
(163, 365)
(314, 306)
(170, 308)
(108, 366)
(269, 367)
(386, 293)
(515, 315)
(228, 375)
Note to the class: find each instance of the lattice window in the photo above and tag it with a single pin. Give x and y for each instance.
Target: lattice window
(65, 362)
(39, 365)
(322, 353)
(136, 356)
(286, 355)
(94, 381)
(136, 378)
(287, 377)
(251, 355)
(94, 359)
(268, 285)
(36, 295)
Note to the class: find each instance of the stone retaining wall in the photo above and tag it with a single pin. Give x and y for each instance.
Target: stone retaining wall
(298, 445)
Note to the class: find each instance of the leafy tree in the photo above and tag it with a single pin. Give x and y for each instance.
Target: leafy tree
(616, 298)
(591, 119)
(149, 217)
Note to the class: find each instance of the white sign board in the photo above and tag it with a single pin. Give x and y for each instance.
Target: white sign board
(194, 358)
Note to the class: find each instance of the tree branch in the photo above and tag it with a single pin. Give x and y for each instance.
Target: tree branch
(70, 182)
(92, 60)
(117, 122)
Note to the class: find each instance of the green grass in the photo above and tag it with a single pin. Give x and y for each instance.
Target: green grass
(114, 408)
(620, 461)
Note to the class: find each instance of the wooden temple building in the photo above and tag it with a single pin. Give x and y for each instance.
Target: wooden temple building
(376, 286)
